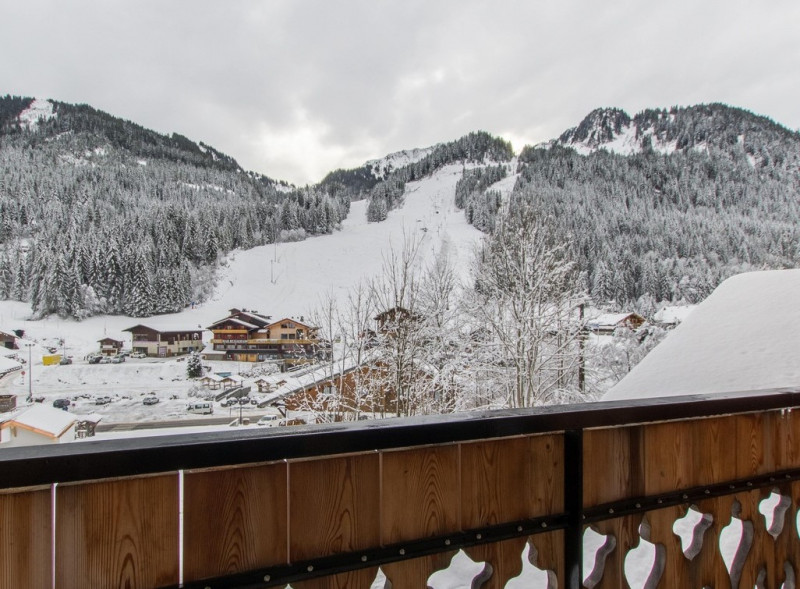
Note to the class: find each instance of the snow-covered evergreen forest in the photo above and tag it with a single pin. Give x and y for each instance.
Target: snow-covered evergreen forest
(101, 216)
(685, 199)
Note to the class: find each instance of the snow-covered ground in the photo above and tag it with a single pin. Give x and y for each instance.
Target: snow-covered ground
(284, 280)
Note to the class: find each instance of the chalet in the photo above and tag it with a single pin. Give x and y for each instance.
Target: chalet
(165, 343)
(109, 346)
(391, 320)
(39, 424)
(247, 336)
(607, 323)
(8, 340)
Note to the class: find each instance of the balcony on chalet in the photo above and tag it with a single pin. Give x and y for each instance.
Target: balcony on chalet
(344, 505)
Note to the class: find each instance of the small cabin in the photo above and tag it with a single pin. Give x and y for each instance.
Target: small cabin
(608, 323)
(110, 346)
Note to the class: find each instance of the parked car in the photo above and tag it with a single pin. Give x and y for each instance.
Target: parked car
(61, 404)
(138, 355)
(268, 420)
(117, 359)
(103, 400)
(124, 353)
(201, 407)
(150, 400)
(95, 359)
(64, 361)
(105, 360)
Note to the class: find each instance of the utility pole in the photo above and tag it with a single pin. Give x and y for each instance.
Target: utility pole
(581, 360)
(30, 373)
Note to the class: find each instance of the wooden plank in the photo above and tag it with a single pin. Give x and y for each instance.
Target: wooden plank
(668, 464)
(348, 580)
(754, 439)
(786, 440)
(625, 531)
(676, 573)
(550, 553)
(333, 505)
(505, 558)
(713, 450)
(512, 479)
(25, 540)
(120, 533)
(612, 465)
(234, 520)
(708, 569)
(414, 573)
(420, 495)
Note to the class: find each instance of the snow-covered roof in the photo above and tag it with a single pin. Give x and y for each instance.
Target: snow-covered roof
(673, 315)
(609, 319)
(167, 328)
(234, 320)
(744, 337)
(43, 419)
(8, 365)
(287, 320)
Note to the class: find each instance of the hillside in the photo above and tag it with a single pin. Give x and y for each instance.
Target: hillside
(661, 206)
(100, 216)
(291, 279)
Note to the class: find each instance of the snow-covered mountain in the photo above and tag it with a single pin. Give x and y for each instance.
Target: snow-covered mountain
(717, 127)
(293, 278)
(381, 168)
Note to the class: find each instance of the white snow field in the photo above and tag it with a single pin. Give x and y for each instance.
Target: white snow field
(284, 280)
(744, 337)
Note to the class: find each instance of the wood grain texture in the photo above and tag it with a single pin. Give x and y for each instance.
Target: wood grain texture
(504, 557)
(350, 580)
(117, 534)
(25, 540)
(550, 553)
(234, 520)
(509, 480)
(713, 450)
(612, 465)
(676, 571)
(420, 493)
(414, 573)
(334, 505)
(625, 531)
(754, 451)
(668, 460)
(708, 569)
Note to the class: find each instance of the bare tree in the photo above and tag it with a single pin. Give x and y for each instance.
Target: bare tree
(524, 312)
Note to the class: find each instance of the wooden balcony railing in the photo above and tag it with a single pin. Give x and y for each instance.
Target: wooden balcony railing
(327, 506)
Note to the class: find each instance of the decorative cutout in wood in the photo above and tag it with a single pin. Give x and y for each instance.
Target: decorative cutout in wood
(735, 541)
(380, 582)
(463, 572)
(790, 582)
(596, 548)
(532, 577)
(690, 529)
(774, 508)
(645, 563)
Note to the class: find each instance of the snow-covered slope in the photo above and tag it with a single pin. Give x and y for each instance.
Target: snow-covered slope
(744, 336)
(381, 168)
(290, 279)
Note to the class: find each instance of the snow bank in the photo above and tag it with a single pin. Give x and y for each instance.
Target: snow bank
(744, 336)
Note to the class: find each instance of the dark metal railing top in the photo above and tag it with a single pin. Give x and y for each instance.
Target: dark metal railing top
(42, 465)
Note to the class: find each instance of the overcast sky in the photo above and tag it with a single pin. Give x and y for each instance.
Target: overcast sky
(294, 89)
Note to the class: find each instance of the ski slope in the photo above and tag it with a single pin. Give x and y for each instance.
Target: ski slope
(290, 279)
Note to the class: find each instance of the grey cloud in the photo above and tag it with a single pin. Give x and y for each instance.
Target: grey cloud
(295, 89)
